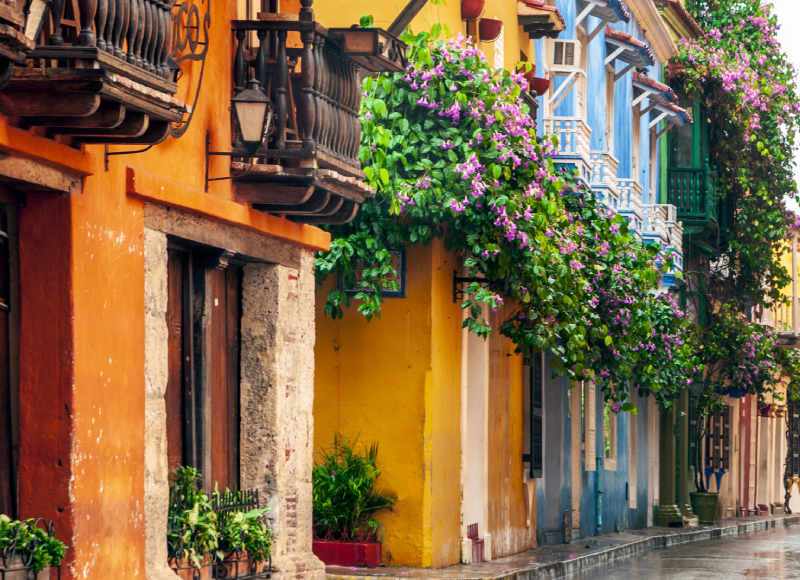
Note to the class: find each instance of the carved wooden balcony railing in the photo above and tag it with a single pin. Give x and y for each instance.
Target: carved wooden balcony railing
(693, 192)
(102, 71)
(574, 136)
(309, 168)
(630, 203)
(14, 45)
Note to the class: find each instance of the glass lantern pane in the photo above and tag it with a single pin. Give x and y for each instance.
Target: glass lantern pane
(251, 120)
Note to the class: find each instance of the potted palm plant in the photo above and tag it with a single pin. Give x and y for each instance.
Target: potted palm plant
(192, 534)
(346, 503)
(27, 550)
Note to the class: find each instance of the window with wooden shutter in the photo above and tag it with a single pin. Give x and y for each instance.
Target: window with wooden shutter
(590, 404)
(8, 478)
(718, 447)
(794, 439)
(634, 469)
(536, 398)
(609, 437)
(202, 397)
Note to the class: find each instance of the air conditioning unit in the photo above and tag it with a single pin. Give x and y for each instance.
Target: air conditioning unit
(565, 55)
(672, 213)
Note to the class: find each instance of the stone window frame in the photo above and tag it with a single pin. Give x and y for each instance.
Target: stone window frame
(276, 384)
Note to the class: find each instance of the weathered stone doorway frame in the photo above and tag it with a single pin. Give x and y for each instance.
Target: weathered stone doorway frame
(277, 384)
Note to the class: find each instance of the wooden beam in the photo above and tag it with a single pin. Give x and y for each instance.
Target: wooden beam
(313, 205)
(108, 116)
(155, 189)
(157, 132)
(596, 31)
(345, 214)
(623, 72)
(134, 125)
(272, 193)
(405, 17)
(40, 103)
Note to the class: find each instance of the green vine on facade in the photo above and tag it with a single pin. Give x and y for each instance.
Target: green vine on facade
(452, 150)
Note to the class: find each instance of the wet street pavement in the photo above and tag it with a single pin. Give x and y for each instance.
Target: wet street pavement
(774, 554)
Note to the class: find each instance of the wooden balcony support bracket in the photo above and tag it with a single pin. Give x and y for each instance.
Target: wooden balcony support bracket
(103, 73)
(155, 189)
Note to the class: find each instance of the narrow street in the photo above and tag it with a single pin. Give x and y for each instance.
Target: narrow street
(774, 554)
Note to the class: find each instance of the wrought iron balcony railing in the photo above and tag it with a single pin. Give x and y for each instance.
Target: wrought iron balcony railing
(309, 168)
(693, 192)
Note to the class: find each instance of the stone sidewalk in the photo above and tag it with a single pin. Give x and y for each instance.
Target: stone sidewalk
(561, 561)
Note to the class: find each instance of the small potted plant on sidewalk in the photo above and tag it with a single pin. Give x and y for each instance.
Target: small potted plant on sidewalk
(245, 541)
(192, 534)
(27, 550)
(346, 503)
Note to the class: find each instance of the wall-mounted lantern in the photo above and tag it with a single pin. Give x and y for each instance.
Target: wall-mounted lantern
(253, 112)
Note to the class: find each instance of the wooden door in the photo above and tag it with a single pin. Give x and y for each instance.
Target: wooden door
(223, 373)
(202, 396)
(7, 469)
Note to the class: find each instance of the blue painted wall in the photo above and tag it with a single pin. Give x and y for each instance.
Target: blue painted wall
(616, 513)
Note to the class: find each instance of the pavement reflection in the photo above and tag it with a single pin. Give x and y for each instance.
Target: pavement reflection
(774, 555)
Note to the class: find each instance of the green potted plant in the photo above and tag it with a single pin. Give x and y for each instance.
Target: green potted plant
(192, 534)
(244, 543)
(346, 503)
(741, 358)
(26, 547)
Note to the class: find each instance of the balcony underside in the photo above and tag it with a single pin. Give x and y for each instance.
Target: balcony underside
(318, 196)
(787, 340)
(115, 104)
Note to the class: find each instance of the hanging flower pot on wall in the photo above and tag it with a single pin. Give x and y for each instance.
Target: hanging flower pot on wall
(471, 10)
(489, 29)
(540, 85)
(527, 75)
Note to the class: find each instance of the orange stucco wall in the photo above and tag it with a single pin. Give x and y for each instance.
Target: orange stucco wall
(396, 381)
(82, 317)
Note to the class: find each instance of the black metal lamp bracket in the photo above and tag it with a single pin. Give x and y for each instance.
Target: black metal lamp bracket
(460, 284)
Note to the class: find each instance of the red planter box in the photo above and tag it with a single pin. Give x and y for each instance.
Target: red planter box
(348, 553)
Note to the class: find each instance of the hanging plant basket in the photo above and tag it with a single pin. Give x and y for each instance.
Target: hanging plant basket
(529, 74)
(471, 10)
(540, 85)
(17, 570)
(489, 29)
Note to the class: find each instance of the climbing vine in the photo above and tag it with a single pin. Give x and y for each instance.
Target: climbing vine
(746, 84)
(451, 148)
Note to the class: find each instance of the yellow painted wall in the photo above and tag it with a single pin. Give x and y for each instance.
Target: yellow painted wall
(332, 14)
(396, 381)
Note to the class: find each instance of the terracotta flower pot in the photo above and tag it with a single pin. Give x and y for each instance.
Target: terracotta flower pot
(348, 553)
(17, 571)
(471, 10)
(489, 29)
(237, 565)
(540, 85)
(704, 505)
(186, 571)
(529, 74)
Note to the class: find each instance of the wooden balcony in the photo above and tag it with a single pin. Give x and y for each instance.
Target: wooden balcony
(661, 225)
(693, 192)
(308, 169)
(101, 72)
(630, 203)
(574, 136)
